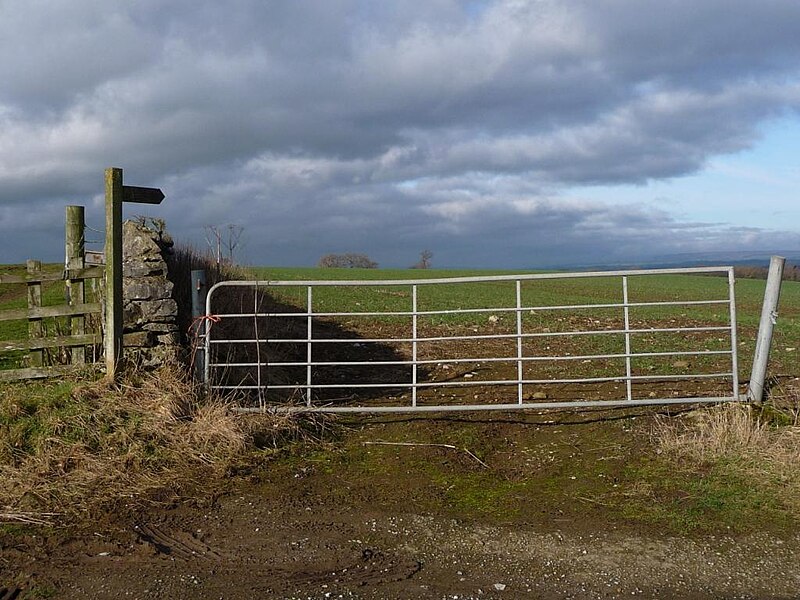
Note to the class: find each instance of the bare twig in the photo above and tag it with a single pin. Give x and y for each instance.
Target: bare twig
(28, 518)
(592, 500)
(448, 446)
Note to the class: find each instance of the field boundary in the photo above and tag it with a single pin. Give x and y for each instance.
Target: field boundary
(71, 340)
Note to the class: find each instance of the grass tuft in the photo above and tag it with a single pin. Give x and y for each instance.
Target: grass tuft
(740, 441)
(783, 407)
(71, 448)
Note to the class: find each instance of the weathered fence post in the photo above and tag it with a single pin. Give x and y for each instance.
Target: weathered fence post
(769, 315)
(113, 250)
(74, 252)
(35, 329)
(199, 294)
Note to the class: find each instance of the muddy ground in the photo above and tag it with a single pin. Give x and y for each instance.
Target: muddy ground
(544, 505)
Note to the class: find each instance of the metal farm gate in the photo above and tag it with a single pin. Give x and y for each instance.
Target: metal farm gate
(506, 342)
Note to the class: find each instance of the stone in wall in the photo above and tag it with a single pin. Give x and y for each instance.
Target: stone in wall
(149, 312)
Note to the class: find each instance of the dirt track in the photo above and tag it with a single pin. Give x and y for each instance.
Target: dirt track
(245, 548)
(357, 521)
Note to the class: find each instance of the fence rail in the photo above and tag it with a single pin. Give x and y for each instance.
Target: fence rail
(248, 363)
(45, 312)
(81, 273)
(71, 337)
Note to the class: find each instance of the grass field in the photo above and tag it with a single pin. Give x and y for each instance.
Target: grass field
(723, 467)
(749, 297)
(71, 443)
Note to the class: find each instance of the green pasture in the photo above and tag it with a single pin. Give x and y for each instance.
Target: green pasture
(560, 292)
(537, 293)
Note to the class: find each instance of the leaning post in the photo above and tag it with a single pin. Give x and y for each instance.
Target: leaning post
(113, 251)
(769, 316)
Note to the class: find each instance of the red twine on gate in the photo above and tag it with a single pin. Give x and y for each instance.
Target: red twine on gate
(196, 327)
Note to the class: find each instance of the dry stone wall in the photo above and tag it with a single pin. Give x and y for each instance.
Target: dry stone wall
(150, 312)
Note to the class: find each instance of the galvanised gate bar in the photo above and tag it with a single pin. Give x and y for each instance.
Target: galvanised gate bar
(264, 337)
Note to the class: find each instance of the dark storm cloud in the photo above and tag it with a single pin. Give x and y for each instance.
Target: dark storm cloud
(390, 127)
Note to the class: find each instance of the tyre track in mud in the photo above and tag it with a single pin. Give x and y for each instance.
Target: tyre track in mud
(314, 527)
(376, 555)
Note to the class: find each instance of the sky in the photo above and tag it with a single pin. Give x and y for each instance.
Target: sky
(508, 134)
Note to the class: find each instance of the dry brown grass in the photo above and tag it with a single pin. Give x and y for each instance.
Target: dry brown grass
(748, 441)
(73, 452)
(784, 403)
(71, 448)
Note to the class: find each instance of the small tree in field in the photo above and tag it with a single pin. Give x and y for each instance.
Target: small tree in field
(351, 260)
(223, 241)
(424, 260)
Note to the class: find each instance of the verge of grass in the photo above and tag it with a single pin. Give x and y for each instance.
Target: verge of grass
(746, 460)
(686, 496)
(73, 447)
(609, 472)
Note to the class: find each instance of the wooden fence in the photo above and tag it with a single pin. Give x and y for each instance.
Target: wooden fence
(44, 351)
(59, 336)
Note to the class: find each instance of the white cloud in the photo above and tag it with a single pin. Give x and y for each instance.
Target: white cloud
(387, 126)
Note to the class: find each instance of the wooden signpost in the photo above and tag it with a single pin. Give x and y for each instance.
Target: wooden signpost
(116, 194)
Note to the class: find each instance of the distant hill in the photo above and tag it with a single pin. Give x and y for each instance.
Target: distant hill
(704, 259)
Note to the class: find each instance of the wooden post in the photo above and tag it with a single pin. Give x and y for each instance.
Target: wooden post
(113, 250)
(35, 330)
(74, 252)
(116, 194)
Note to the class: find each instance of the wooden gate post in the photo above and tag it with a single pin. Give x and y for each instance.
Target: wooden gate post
(74, 259)
(113, 250)
(116, 194)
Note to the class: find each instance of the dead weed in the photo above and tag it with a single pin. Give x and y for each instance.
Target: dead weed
(745, 439)
(71, 452)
